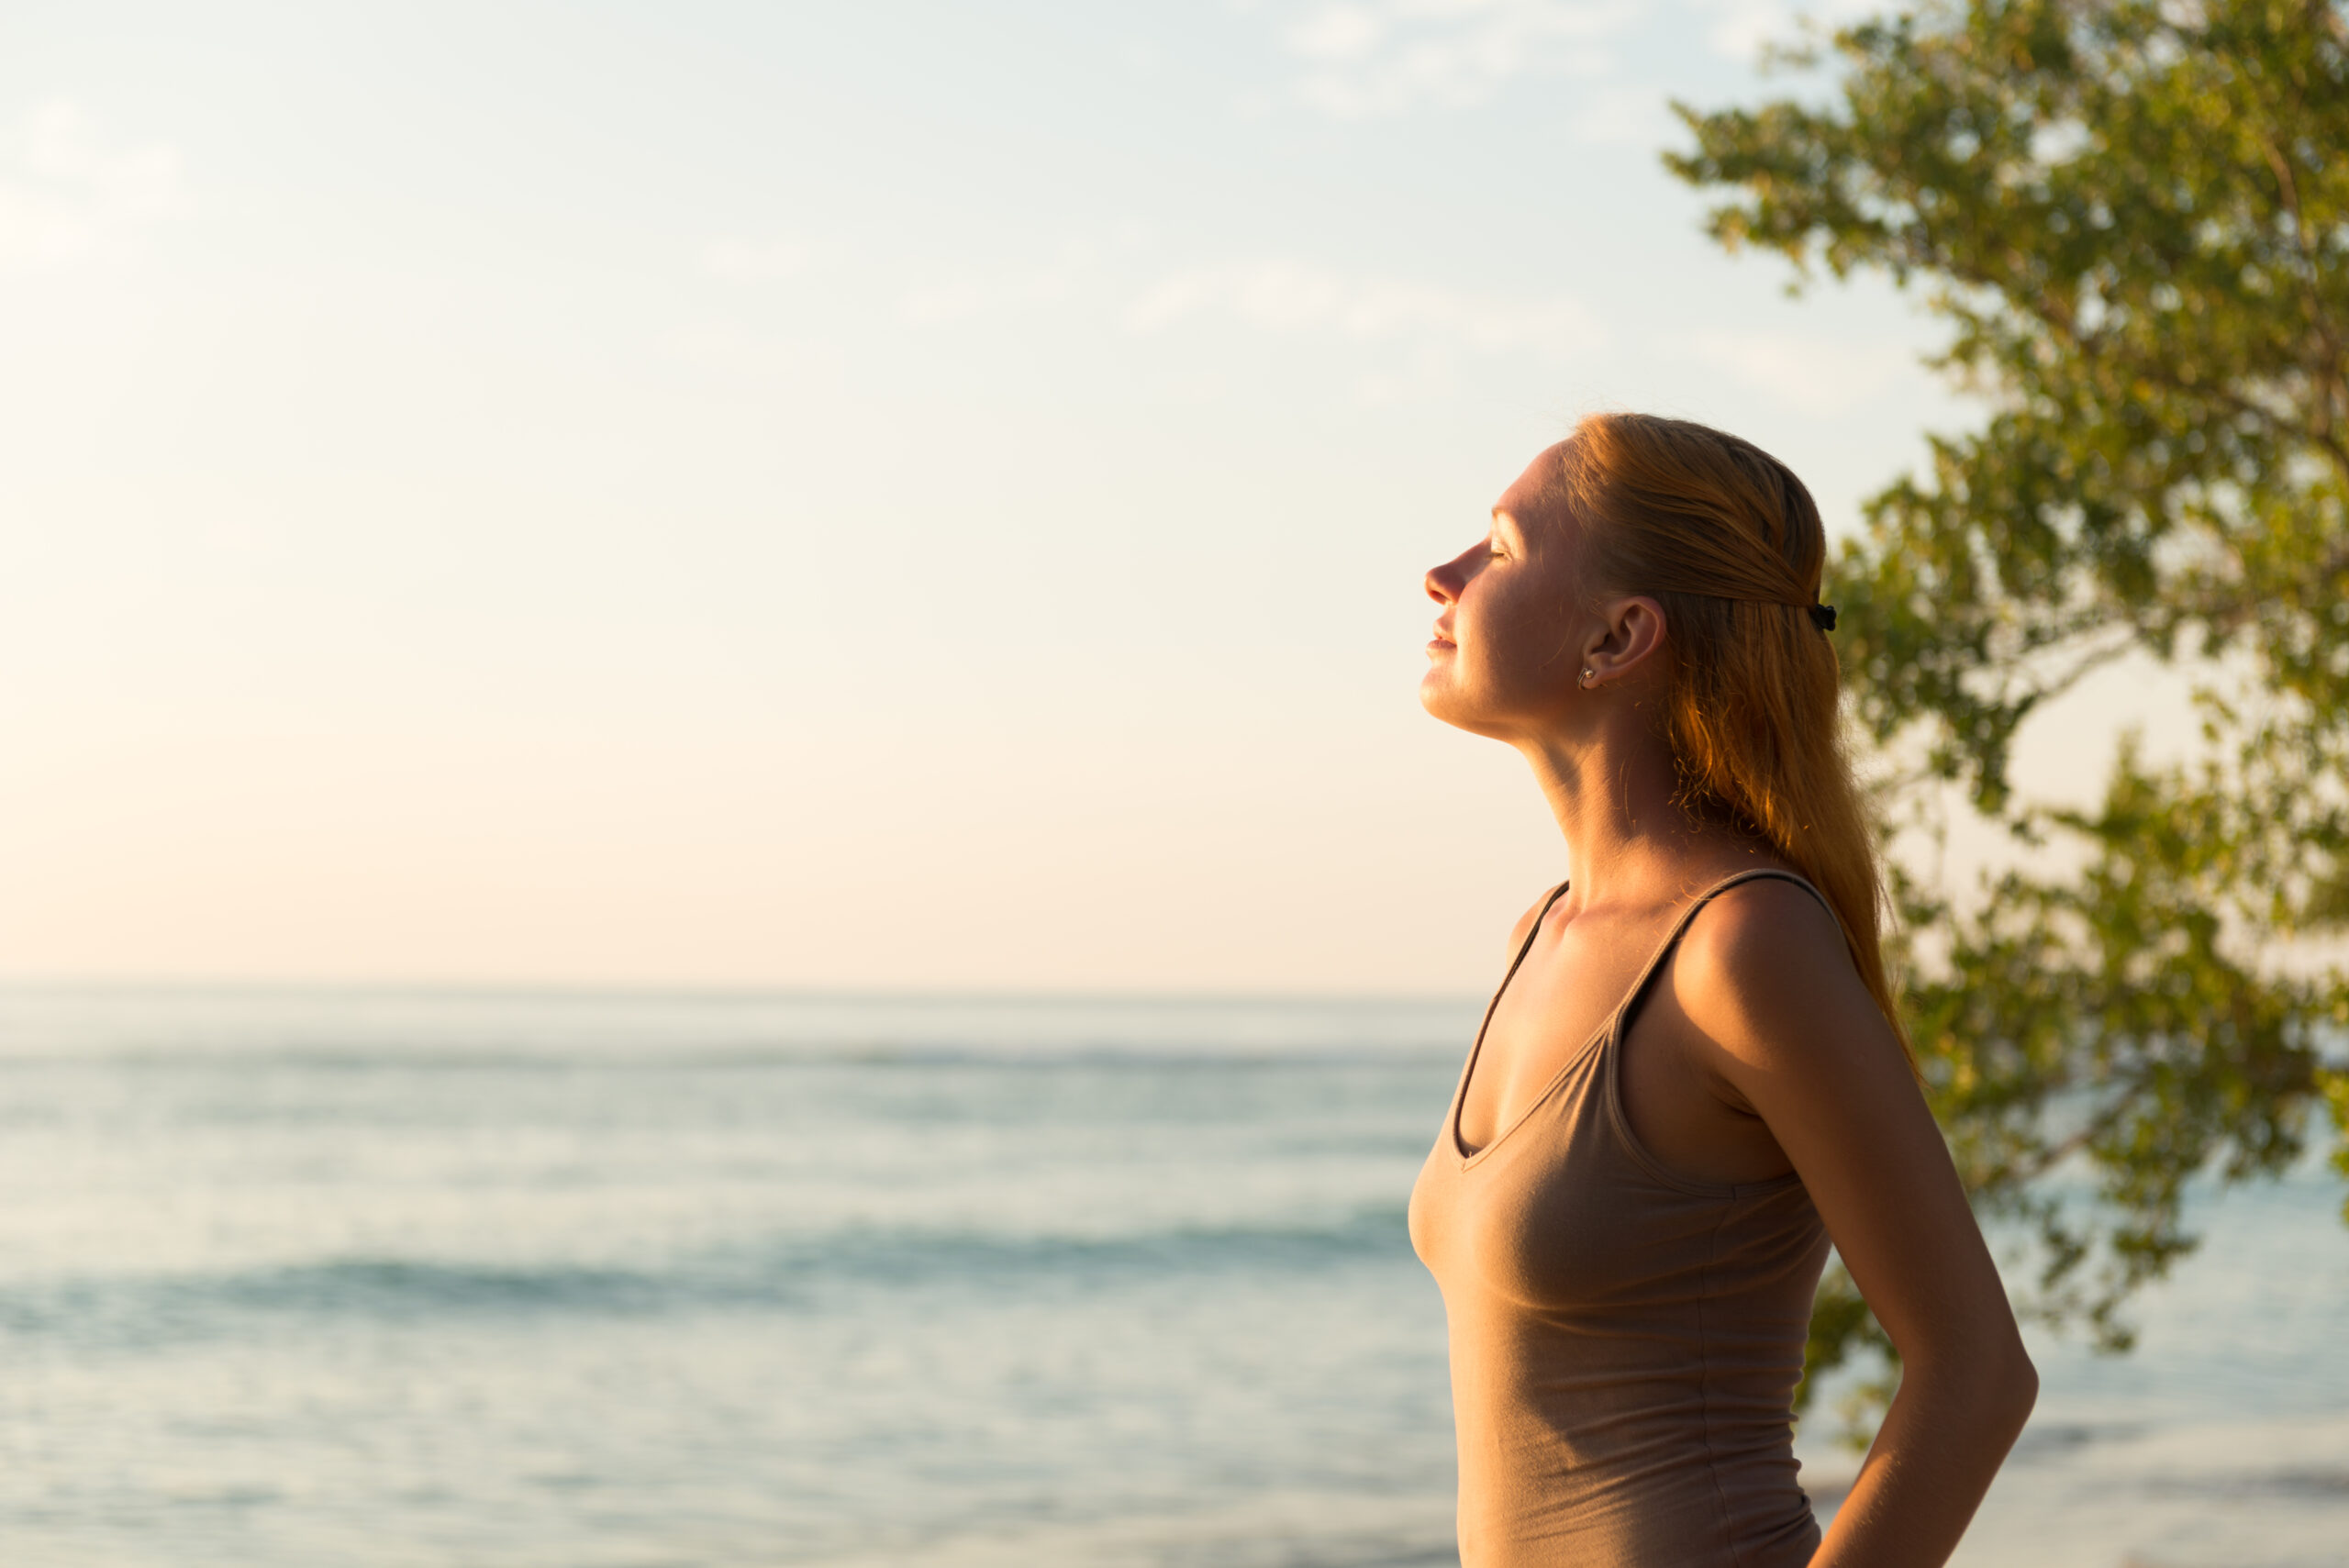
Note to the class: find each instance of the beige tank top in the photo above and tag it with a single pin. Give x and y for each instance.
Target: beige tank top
(1625, 1340)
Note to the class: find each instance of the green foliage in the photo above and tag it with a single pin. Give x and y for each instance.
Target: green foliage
(2134, 218)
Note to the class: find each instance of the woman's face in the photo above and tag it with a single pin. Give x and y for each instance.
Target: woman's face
(1504, 661)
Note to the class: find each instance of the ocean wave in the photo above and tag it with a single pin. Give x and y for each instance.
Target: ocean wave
(970, 1256)
(799, 1274)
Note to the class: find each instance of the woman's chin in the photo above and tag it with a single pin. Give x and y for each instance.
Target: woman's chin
(1438, 696)
(1445, 701)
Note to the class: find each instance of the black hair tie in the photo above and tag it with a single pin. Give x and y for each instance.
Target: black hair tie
(1823, 617)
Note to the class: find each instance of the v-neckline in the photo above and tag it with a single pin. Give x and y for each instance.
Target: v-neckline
(1476, 1050)
(1469, 1157)
(1606, 1026)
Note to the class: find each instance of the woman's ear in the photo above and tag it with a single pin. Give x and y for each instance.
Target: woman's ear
(1631, 630)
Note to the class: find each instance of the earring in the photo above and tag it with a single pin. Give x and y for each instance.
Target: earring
(1588, 675)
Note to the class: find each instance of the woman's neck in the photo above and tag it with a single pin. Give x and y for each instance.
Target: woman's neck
(1615, 797)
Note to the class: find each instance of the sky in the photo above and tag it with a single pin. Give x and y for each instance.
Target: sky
(850, 496)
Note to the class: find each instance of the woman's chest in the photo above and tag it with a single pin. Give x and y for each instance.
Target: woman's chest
(1568, 988)
(1559, 1215)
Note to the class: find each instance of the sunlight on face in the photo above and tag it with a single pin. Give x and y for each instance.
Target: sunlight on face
(1500, 661)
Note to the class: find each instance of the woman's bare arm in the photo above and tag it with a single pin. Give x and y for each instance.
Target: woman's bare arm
(1779, 1017)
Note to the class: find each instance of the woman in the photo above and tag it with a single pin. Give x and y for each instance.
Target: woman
(1692, 1076)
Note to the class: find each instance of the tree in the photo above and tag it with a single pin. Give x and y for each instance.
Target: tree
(2134, 217)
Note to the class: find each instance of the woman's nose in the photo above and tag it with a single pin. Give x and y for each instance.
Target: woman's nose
(1443, 582)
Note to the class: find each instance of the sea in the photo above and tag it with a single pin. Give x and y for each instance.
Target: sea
(365, 1278)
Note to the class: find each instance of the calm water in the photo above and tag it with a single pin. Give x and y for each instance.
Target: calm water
(373, 1280)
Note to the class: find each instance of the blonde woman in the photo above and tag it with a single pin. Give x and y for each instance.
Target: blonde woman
(1692, 1078)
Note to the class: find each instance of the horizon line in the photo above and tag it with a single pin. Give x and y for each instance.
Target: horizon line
(715, 992)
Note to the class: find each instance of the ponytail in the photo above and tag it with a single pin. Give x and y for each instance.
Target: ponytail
(1728, 541)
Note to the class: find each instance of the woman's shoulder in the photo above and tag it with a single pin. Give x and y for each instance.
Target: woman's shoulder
(1524, 929)
(1763, 956)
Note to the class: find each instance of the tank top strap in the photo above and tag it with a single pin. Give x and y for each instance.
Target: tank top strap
(1476, 1050)
(1532, 933)
(1696, 907)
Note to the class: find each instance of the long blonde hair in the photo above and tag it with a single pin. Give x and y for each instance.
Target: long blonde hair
(1728, 541)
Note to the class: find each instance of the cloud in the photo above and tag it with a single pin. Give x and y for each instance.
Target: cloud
(1739, 27)
(1623, 115)
(1299, 297)
(1363, 58)
(68, 196)
(1817, 376)
(745, 261)
(963, 295)
(953, 299)
(1360, 59)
